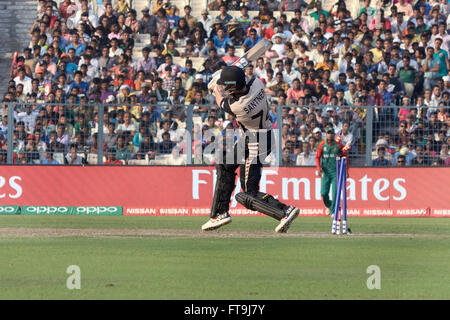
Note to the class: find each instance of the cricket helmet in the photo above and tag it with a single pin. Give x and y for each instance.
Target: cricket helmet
(233, 78)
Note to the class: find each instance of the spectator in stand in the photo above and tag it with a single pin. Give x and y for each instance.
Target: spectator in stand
(168, 61)
(133, 24)
(430, 67)
(110, 138)
(48, 158)
(206, 22)
(159, 93)
(72, 157)
(381, 160)
(146, 64)
(405, 152)
(408, 75)
(279, 85)
(402, 136)
(221, 41)
(23, 79)
(111, 158)
(122, 151)
(31, 150)
(251, 40)
(191, 21)
(444, 155)
(295, 92)
(109, 14)
(3, 126)
(269, 31)
(230, 58)
(163, 26)
(61, 138)
(204, 52)
(420, 159)
(286, 158)
(128, 127)
(223, 17)
(293, 5)
(346, 137)
(319, 11)
(122, 7)
(401, 161)
(78, 83)
(160, 4)
(215, 4)
(306, 157)
(168, 80)
(165, 127)
(166, 145)
(190, 50)
(290, 74)
(114, 50)
(76, 45)
(84, 16)
(442, 55)
(172, 16)
(146, 147)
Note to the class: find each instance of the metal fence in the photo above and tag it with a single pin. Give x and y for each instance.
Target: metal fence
(164, 134)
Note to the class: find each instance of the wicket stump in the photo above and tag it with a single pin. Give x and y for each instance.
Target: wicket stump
(341, 173)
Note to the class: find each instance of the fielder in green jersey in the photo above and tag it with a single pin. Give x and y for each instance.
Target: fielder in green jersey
(327, 152)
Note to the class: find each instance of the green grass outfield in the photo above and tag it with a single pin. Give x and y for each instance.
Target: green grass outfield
(169, 258)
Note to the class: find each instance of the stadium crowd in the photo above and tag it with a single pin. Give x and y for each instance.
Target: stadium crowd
(324, 67)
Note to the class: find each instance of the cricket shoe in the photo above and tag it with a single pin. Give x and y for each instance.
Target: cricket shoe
(328, 212)
(215, 223)
(285, 223)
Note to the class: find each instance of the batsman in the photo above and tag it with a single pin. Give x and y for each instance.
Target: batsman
(246, 100)
(326, 155)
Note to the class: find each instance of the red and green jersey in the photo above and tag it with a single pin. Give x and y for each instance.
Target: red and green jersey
(328, 152)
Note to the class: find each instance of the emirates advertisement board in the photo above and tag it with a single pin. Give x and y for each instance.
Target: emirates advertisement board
(386, 192)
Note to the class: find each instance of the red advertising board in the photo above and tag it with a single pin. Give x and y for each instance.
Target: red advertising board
(188, 190)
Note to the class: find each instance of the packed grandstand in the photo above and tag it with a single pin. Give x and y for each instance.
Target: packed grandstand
(149, 63)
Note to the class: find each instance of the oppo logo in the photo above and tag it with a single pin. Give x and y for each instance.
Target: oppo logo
(96, 210)
(7, 209)
(47, 210)
(12, 184)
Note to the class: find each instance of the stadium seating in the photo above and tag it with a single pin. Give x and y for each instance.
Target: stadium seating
(408, 109)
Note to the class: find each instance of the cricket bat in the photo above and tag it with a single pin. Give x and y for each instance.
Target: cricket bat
(251, 55)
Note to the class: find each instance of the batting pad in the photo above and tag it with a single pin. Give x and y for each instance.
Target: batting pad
(262, 202)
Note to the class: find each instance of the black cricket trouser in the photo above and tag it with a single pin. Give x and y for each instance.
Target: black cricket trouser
(250, 172)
